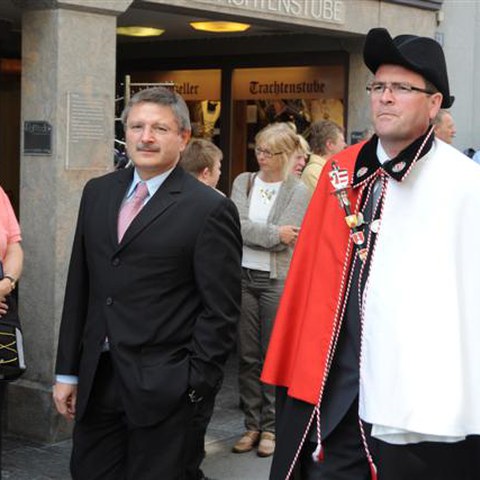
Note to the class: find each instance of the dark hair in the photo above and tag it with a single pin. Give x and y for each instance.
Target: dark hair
(198, 155)
(165, 97)
(430, 86)
(321, 132)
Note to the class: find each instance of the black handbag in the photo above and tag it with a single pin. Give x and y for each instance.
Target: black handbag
(12, 358)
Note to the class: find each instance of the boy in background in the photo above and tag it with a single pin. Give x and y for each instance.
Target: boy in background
(203, 159)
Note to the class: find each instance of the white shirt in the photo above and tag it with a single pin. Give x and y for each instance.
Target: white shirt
(262, 200)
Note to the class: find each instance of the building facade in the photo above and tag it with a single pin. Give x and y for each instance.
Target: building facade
(301, 60)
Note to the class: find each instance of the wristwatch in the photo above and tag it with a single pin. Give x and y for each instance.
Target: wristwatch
(13, 280)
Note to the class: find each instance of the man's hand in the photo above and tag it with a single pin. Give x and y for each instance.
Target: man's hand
(65, 398)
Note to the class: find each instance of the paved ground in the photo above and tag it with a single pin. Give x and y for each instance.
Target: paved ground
(27, 460)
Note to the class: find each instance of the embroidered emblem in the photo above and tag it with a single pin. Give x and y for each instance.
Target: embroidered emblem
(398, 167)
(362, 254)
(375, 226)
(354, 220)
(358, 238)
(362, 172)
(339, 179)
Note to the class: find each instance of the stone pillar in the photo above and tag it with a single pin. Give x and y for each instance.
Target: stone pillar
(359, 118)
(68, 87)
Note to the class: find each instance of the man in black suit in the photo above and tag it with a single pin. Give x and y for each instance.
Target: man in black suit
(150, 314)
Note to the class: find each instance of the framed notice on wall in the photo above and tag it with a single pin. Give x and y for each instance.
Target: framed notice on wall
(37, 138)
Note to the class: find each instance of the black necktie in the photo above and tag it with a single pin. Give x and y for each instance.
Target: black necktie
(342, 384)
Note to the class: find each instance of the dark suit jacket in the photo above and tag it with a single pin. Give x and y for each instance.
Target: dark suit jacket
(167, 296)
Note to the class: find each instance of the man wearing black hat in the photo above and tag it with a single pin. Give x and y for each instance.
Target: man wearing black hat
(374, 349)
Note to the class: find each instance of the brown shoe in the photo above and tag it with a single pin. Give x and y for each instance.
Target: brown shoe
(249, 440)
(266, 447)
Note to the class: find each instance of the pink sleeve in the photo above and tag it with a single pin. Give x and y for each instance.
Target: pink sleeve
(8, 219)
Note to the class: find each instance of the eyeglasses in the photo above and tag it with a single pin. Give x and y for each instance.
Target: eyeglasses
(156, 129)
(266, 153)
(376, 89)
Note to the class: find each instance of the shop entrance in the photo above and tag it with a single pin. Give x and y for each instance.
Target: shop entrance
(299, 95)
(231, 104)
(201, 91)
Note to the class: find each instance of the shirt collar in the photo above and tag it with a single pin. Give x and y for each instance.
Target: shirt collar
(153, 184)
(373, 157)
(381, 153)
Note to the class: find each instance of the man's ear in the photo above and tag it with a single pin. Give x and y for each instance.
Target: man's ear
(329, 145)
(435, 104)
(204, 173)
(186, 134)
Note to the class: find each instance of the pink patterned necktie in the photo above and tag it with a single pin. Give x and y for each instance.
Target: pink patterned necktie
(130, 208)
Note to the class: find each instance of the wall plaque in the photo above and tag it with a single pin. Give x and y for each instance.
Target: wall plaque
(89, 144)
(37, 138)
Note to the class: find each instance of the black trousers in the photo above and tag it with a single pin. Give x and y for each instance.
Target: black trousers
(343, 450)
(3, 393)
(107, 447)
(195, 451)
(345, 457)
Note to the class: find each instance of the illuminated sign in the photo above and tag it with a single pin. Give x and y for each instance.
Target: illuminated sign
(330, 11)
(190, 84)
(288, 83)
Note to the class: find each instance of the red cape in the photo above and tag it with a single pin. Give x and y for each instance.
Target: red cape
(298, 352)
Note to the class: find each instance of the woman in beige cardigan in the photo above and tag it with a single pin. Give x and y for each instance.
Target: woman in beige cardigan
(271, 204)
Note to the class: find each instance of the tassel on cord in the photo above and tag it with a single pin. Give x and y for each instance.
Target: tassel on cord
(373, 468)
(318, 455)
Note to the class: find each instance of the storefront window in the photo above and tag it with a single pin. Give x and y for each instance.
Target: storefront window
(201, 91)
(300, 95)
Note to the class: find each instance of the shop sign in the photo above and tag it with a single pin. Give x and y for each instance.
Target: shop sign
(288, 83)
(37, 138)
(192, 85)
(331, 11)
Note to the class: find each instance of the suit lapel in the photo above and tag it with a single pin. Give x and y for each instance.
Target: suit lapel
(163, 199)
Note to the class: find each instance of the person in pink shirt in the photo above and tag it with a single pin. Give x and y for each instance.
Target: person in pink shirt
(11, 257)
(11, 253)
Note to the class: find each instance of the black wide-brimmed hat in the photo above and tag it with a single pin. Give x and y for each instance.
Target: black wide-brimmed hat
(422, 55)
